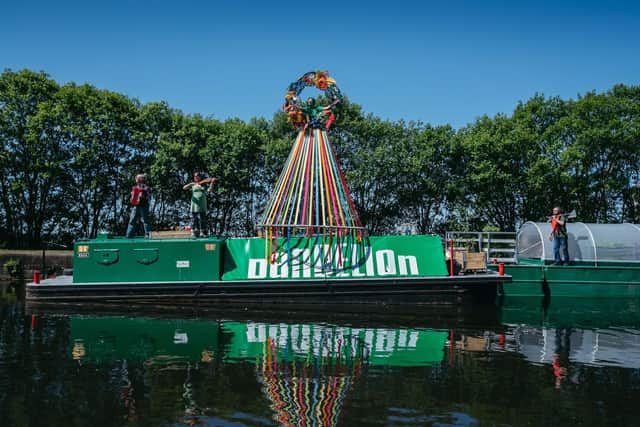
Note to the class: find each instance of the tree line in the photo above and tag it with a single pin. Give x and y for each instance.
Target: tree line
(69, 154)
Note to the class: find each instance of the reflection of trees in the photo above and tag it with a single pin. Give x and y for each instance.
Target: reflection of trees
(40, 382)
(172, 386)
(313, 391)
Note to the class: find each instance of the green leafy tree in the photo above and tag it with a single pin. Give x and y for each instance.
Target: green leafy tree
(235, 157)
(602, 153)
(178, 156)
(365, 148)
(98, 129)
(490, 173)
(29, 157)
(68, 156)
(424, 156)
(536, 128)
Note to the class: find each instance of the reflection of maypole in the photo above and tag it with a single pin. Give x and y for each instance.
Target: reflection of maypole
(312, 392)
(311, 199)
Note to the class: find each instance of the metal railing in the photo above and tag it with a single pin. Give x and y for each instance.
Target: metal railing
(497, 245)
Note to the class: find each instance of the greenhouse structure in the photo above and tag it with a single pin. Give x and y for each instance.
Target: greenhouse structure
(589, 244)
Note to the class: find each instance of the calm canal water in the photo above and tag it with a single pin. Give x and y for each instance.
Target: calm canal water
(572, 362)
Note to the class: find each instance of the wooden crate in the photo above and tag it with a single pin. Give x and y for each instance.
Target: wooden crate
(460, 257)
(470, 343)
(476, 261)
(470, 261)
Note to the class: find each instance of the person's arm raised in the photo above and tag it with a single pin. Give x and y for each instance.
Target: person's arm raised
(211, 182)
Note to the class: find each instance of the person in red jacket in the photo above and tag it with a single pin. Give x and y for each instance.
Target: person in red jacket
(140, 196)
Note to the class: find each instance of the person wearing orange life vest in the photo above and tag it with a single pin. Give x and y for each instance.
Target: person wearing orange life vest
(140, 196)
(559, 237)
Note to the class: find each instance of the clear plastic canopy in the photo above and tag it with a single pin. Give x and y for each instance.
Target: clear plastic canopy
(587, 242)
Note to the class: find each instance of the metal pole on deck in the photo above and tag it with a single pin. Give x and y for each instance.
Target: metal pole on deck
(43, 270)
(450, 257)
(489, 234)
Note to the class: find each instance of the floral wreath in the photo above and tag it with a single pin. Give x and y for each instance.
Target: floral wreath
(302, 116)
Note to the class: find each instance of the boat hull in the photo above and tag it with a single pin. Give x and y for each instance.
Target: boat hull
(413, 290)
(571, 281)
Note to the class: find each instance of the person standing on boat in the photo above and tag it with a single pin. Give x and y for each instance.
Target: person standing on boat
(140, 196)
(199, 203)
(559, 236)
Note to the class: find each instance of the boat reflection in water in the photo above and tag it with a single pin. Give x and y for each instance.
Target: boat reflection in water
(301, 373)
(306, 371)
(154, 340)
(599, 332)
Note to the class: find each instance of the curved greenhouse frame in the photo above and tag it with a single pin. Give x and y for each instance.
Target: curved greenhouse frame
(588, 243)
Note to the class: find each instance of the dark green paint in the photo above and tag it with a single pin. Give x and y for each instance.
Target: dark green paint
(147, 260)
(573, 280)
(119, 260)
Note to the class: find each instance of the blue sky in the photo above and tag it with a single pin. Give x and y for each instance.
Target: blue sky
(437, 62)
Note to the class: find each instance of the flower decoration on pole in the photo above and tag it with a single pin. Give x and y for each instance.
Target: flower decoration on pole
(304, 115)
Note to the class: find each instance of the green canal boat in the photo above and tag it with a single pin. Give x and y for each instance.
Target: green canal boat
(604, 262)
(382, 269)
(312, 246)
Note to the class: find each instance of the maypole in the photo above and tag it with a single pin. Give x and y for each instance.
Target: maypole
(310, 204)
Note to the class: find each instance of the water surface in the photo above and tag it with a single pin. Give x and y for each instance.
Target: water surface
(569, 362)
